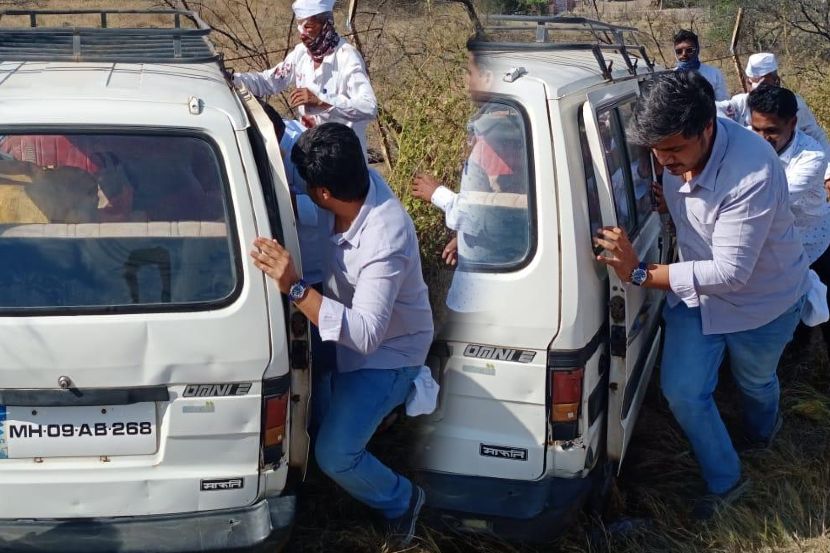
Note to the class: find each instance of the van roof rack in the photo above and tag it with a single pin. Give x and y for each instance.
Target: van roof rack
(151, 44)
(554, 32)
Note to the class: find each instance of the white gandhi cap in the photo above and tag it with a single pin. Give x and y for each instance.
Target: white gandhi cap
(761, 64)
(303, 9)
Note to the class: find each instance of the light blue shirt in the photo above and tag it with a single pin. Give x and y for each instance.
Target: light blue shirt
(741, 259)
(376, 304)
(309, 223)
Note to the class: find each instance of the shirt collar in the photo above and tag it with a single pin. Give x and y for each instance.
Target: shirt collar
(791, 148)
(708, 177)
(355, 230)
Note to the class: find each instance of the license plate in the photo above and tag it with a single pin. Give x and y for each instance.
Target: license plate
(27, 432)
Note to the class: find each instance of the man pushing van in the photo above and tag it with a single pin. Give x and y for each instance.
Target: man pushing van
(741, 280)
(375, 308)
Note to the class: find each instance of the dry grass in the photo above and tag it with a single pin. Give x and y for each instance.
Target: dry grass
(786, 510)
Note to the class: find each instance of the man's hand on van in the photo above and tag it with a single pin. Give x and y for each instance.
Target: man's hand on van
(659, 201)
(424, 186)
(618, 251)
(273, 260)
(450, 253)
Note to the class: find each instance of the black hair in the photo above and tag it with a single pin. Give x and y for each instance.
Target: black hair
(685, 35)
(275, 117)
(330, 156)
(672, 102)
(773, 100)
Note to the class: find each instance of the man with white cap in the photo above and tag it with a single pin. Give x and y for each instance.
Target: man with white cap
(763, 68)
(329, 74)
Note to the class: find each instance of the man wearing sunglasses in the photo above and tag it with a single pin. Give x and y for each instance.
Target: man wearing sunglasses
(687, 52)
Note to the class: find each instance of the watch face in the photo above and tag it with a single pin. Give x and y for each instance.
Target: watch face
(638, 276)
(296, 291)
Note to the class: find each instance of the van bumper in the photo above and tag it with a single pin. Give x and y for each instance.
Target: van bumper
(533, 511)
(265, 525)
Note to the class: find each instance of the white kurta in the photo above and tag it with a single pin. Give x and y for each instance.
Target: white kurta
(737, 109)
(805, 164)
(340, 81)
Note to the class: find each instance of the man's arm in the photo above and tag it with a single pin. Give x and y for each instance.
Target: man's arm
(740, 231)
(271, 81)
(807, 123)
(361, 327)
(804, 175)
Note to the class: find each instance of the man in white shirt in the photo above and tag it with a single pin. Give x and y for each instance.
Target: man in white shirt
(740, 284)
(762, 68)
(375, 309)
(687, 53)
(774, 118)
(329, 74)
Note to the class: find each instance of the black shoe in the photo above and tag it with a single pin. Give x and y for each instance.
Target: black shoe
(750, 444)
(402, 529)
(711, 504)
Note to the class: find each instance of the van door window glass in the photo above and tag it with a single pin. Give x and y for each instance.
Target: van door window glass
(491, 213)
(121, 222)
(591, 190)
(613, 144)
(639, 159)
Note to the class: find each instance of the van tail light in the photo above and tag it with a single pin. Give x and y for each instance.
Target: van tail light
(565, 402)
(274, 418)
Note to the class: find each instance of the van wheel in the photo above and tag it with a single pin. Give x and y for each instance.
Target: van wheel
(604, 478)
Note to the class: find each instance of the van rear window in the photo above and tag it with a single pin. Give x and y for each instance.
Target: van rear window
(493, 210)
(113, 222)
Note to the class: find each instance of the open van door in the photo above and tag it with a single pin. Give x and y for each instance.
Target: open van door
(625, 173)
(283, 227)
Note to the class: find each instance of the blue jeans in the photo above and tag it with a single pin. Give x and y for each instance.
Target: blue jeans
(359, 402)
(689, 375)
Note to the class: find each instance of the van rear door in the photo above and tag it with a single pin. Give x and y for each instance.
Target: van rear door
(502, 309)
(135, 332)
(626, 173)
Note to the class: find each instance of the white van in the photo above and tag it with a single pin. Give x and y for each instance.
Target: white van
(545, 355)
(153, 387)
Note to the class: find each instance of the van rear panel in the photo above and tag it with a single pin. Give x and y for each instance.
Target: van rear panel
(134, 330)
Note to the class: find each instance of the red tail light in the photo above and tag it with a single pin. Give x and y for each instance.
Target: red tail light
(276, 411)
(275, 395)
(566, 395)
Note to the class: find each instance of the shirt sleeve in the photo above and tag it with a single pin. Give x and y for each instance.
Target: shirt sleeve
(808, 124)
(358, 102)
(739, 233)
(720, 86)
(805, 178)
(362, 327)
(271, 81)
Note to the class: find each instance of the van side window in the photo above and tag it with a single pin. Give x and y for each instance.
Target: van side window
(639, 159)
(613, 143)
(592, 192)
(493, 212)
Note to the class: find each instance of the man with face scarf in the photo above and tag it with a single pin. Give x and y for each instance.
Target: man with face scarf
(329, 74)
(762, 68)
(687, 52)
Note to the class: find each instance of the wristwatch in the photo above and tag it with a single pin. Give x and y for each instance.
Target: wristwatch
(639, 275)
(297, 291)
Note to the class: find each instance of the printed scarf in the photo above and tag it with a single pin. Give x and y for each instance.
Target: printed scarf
(326, 41)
